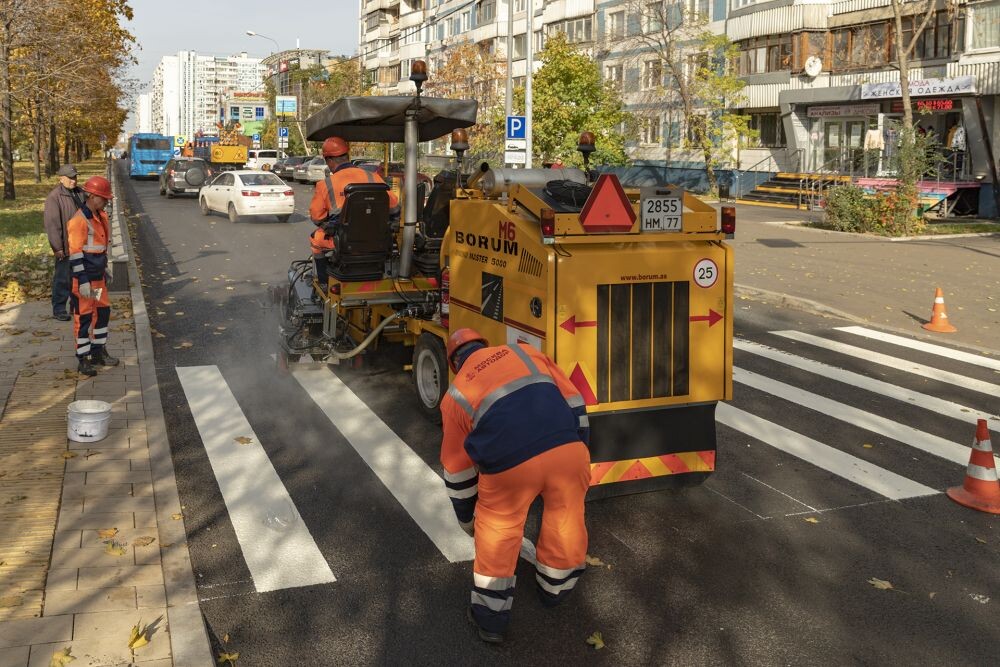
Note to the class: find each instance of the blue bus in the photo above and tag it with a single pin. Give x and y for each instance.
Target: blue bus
(148, 153)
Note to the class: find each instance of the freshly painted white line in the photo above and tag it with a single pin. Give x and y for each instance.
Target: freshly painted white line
(907, 435)
(851, 468)
(928, 372)
(940, 350)
(278, 548)
(925, 401)
(412, 482)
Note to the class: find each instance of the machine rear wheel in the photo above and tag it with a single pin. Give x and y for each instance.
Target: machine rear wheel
(233, 216)
(203, 204)
(430, 375)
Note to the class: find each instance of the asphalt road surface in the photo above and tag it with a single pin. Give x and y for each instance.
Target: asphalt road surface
(832, 462)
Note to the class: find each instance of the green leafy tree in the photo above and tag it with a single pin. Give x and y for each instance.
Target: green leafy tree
(569, 97)
(695, 79)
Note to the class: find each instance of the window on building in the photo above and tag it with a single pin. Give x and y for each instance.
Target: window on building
(487, 11)
(576, 30)
(539, 40)
(520, 48)
(652, 74)
(985, 25)
(234, 113)
(613, 74)
(616, 25)
(943, 37)
(770, 130)
(519, 5)
(764, 54)
(699, 8)
(742, 3)
(652, 16)
(466, 21)
(696, 128)
(650, 130)
(373, 20)
(258, 113)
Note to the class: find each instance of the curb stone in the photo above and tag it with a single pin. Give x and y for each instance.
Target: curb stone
(190, 645)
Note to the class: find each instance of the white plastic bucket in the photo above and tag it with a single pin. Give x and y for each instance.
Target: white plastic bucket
(88, 421)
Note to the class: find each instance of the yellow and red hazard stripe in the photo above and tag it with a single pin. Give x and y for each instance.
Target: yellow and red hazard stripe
(627, 470)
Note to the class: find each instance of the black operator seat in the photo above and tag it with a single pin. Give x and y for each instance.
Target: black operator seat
(363, 239)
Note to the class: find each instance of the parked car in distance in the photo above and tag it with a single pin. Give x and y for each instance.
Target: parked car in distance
(312, 171)
(285, 167)
(262, 159)
(248, 193)
(183, 175)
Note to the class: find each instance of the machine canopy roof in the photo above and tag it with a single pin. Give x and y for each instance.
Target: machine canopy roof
(381, 119)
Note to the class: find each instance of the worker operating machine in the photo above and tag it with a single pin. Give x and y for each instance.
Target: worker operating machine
(630, 291)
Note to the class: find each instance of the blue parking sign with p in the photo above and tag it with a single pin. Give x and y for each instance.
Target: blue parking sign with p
(256, 137)
(516, 127)
(282, 131)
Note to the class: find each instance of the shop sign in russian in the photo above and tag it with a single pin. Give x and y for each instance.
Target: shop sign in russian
(840, 110)
(960, 85)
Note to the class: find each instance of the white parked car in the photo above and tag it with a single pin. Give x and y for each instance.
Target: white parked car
(247, 192)
(311, 171)
(263, 159)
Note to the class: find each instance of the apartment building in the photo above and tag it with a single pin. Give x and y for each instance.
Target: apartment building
(278, 67)
(144, 113)
(186, 88)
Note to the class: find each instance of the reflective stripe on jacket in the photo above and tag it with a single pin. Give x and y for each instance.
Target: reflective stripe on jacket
(506, 405)
(88, 234)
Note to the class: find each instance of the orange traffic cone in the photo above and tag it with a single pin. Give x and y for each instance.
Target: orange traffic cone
(939, 317)
(981, 490)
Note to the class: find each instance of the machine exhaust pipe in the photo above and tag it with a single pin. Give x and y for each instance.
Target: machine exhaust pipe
(411, 135)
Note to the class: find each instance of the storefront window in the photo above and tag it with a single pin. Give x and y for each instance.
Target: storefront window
(771, 132)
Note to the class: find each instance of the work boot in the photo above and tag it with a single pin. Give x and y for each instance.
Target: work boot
(100, 357)
(85, 367)
(485, 635)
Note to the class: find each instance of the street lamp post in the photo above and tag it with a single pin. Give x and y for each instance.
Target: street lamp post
(277, 49)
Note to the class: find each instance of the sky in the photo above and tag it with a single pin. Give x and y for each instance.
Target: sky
(216, 27)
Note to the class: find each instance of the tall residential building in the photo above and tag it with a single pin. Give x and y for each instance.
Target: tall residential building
(144, 113)
(186, 89)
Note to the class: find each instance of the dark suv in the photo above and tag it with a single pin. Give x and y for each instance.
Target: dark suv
(285, 167)
(184, 175)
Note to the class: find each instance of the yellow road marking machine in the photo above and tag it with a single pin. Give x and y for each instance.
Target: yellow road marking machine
(629, 291)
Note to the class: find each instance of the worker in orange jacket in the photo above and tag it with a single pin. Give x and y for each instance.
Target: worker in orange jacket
(89, 235)
(328, 199)
(515, 428)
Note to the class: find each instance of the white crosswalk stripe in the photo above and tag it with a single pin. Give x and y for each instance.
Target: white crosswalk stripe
(278, 548)
(928, 372)
(851, 468)
(925, 401)
(940, 350)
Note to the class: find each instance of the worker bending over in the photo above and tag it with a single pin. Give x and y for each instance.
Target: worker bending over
(328, 199)
(514, 428)
(89, 235)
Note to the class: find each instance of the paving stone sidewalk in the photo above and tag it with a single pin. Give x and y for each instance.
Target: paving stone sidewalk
(92, 539)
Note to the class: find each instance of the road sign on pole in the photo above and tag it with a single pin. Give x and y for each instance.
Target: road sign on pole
(282, 142)
(516, 127)
(283, 132)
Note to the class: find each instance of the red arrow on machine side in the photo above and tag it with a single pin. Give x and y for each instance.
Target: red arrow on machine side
(711, 318)
(571, 325)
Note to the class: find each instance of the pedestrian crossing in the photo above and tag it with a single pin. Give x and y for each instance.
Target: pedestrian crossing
(804, 394)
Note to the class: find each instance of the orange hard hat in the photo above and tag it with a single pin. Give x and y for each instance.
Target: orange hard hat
(460, 338)
(335, 147)
(98, 185)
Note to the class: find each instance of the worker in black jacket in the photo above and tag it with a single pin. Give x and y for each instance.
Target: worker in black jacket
(61, 205)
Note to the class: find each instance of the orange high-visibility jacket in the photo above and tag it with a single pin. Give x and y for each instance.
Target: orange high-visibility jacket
(506, 405)
(88, 234)
(322, 209)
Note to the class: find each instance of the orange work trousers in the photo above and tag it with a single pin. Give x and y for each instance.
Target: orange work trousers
(94, 312)
(561, 476)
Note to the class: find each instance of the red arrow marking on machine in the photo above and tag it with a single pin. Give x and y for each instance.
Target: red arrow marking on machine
(571, 324)
(711, 318)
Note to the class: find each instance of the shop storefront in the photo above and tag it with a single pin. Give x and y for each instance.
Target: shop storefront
(860, 137)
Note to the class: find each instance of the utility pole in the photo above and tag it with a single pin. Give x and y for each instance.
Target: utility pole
(530, 43)
(509, 98)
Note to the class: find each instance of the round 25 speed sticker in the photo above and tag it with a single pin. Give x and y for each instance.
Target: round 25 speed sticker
(705, 273)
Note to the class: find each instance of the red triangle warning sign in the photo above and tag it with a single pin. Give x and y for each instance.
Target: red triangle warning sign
(579, 381)
(607, 208)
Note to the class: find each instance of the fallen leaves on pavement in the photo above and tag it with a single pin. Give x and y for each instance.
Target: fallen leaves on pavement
(880, 584)
(594, 561)
(183, 346)
(115, 548)
(596, 640)
(143, 541)
(811, 519)
(177, 517)
(231, 658)
(107, 533)
(62, 658)
(69, 454)
(138, 636)
(243, 440)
